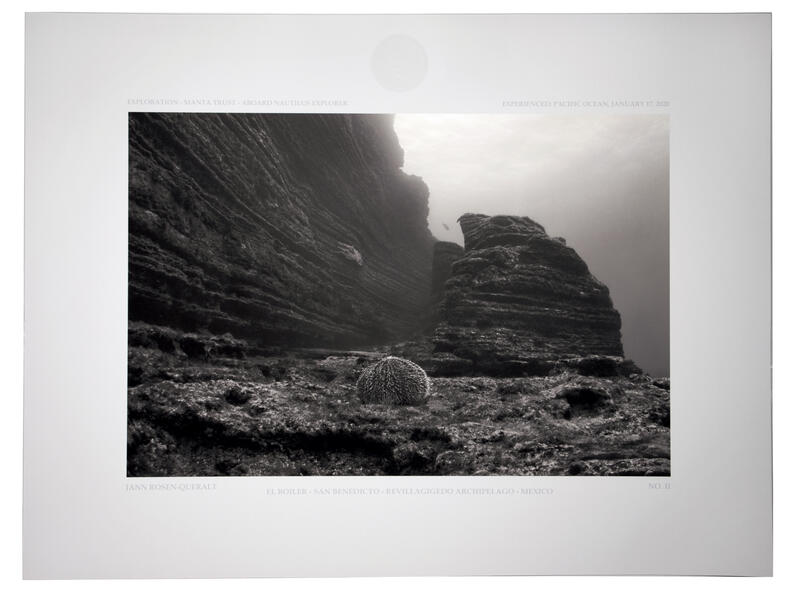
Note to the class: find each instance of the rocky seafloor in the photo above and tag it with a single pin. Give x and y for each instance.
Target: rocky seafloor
(201, 406)
(255, 237)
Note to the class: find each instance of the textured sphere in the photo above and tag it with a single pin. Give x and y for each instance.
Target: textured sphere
(394, 381)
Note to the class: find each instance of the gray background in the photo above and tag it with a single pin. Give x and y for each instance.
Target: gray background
(81, 518)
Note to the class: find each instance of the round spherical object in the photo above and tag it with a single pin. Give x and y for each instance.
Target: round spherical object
(393, 381)
(399, 63)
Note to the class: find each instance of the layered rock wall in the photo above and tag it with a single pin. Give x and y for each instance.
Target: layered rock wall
(284, 229)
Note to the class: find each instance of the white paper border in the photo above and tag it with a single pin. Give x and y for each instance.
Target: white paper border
(81, 521)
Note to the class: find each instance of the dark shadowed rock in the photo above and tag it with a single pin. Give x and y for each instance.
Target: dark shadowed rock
(582, 397)
(445, 254)
(237, 395)
(601, 366)
(284, 229)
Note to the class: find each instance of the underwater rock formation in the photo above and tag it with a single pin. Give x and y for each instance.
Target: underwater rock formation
(287, 230)
(445, 253)
(279, 266)
(298, 414)
(518, 302)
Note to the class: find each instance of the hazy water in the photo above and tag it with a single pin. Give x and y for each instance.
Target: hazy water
(599, 181)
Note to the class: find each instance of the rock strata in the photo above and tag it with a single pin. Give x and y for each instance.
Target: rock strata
(281, 271)
(519, 302)
(282, 229)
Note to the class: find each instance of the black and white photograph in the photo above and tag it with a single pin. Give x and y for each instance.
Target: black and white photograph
(398, 295)
(408, 294)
